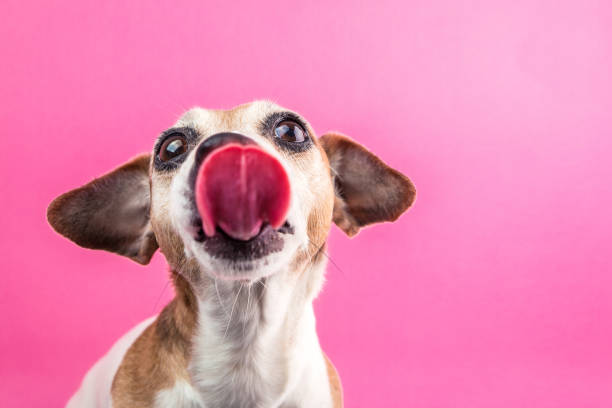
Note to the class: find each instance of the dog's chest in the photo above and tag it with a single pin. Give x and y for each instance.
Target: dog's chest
(245, 353)
(237, 362)
(184, 395)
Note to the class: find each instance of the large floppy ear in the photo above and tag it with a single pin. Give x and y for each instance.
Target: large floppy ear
(110, 213)
(367, 190)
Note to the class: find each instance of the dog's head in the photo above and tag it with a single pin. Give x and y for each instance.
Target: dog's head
(238, 194)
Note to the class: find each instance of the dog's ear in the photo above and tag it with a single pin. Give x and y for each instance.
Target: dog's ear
(110, 213)
(367, 190)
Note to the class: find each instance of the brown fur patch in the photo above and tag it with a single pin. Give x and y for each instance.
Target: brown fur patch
(334, 384)
(161, 354)
(110, 212)
(367, 190)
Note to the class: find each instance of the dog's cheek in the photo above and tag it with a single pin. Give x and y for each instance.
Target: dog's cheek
(319, 223)
(169, 241)
(321, 191)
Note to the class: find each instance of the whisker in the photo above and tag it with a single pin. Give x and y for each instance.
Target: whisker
(262, 283)
(219, 298)
(247, 311)
(263, 291)
(335, 172)
(248, 299)
(160, 296)
(232, 312)
(320, 249)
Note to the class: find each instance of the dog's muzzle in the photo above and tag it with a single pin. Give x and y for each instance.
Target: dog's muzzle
(239, 188)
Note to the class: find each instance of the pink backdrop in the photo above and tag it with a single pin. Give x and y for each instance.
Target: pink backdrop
(494, 291)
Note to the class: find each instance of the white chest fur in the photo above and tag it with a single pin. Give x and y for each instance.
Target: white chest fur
(257, 346)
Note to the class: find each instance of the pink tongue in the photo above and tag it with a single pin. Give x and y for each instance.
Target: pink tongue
(240, 187)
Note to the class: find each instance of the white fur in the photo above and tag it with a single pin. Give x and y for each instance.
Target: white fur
(181, 395)
(96, 386)
(278, 363)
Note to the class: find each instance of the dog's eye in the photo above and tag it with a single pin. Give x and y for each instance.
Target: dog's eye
(290, 131)
(173, 146)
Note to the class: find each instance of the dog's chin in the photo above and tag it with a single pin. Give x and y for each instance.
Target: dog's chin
(226, 258)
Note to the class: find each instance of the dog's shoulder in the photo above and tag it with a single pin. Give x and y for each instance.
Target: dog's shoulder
(155, 364)
(95, 390)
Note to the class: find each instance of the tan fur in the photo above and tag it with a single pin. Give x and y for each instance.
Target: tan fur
(169, 241)
(319, 220)
(335, 384)
(160, 356)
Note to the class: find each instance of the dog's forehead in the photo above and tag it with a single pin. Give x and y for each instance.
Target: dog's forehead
(242, 117)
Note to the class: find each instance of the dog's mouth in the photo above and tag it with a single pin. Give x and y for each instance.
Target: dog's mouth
(221, 245)
(242, 197)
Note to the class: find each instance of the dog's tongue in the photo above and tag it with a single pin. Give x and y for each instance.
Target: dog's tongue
(239, 188)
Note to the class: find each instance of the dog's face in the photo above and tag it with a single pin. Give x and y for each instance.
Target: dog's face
(238, 194)
(285, 150)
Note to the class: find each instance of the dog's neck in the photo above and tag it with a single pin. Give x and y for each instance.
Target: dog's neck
(251, 341)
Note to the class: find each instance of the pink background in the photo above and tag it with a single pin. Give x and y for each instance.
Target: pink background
(495, 290)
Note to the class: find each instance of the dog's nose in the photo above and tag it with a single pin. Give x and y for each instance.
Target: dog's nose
(218, 140)
(213, 142)
(239, 186)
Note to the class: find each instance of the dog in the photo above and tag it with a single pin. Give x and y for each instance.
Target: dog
(240, 202)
